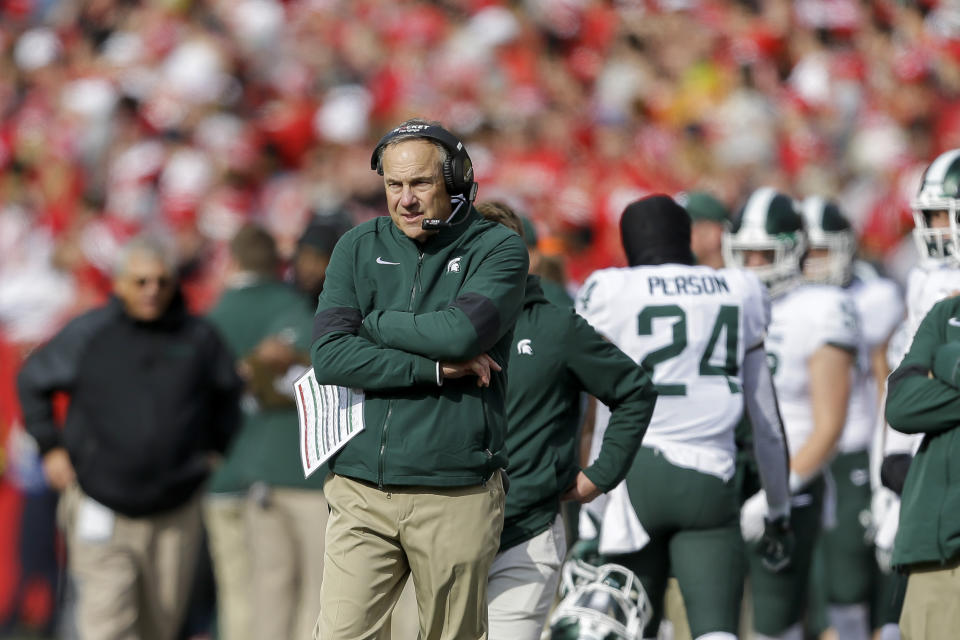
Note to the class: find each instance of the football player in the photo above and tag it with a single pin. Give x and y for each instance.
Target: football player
(936, 276)
(848, 557)
(701, 332)
(812, 341)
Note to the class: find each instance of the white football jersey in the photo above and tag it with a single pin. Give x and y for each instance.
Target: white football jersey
(804, 320)
(880, 305)
(880, 310)
(690, 326)
(926, 286)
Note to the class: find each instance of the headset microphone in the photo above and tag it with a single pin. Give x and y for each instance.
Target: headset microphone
(458, 201)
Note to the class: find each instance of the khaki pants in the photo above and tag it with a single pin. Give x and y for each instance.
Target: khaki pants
(229, 550)
(445, 537)
(931, 607)
(133, 577)
(523, 583)
(286, 531)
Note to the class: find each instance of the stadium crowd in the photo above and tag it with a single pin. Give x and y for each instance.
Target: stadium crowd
(191, 118)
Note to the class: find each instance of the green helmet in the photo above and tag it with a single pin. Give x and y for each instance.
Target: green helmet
(768, 223)
(936, 241)
(600, 603)
(827, 228)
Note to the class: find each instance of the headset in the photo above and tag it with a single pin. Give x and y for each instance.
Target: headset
(457, 168)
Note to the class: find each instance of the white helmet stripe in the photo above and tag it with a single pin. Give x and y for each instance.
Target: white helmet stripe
(813, 211)
(755, 211)
(938, 169)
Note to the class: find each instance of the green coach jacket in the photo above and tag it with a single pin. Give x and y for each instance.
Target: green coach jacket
(390, 310)
(556, 355)
(923, 396)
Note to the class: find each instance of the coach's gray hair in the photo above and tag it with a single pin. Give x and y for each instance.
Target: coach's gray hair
(146, 245)
(413, 135)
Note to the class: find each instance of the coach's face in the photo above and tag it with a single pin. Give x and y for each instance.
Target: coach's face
(413, 177)
(145, 286)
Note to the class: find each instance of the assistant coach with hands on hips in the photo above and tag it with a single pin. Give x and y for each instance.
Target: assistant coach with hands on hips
(418, 310)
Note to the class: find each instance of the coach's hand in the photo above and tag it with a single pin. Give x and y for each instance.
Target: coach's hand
(583, 490)
(58, 469)
(481, 366)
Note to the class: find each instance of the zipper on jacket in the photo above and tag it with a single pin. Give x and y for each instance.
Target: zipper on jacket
(386, 420)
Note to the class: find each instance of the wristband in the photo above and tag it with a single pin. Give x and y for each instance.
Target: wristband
(439, 374)
(798, 482)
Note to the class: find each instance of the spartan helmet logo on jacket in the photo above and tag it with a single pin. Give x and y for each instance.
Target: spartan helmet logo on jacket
(768, 238)
(935, 209)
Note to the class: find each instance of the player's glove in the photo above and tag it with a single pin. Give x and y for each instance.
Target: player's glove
(776, 545)
(752, 517)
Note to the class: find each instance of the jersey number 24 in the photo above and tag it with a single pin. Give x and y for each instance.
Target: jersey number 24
(727, 323)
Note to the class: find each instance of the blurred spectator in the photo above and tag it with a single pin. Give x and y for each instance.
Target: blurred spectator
(266, 522)
(154, 396)
(169, 114)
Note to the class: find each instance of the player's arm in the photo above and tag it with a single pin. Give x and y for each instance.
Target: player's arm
(923, 393)
(879, 367)
(769, 441)
(341, 352)
(610, 375)
(485, 309)
(830, 370)
(883, 301)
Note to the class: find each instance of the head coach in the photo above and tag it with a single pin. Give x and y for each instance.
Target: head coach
(418, 310)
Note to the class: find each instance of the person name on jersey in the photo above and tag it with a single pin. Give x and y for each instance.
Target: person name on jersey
(694, 285)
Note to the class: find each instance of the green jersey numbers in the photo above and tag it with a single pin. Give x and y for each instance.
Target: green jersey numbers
(667, 352)
(724, 337)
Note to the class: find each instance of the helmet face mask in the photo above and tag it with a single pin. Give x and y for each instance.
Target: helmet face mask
(600, 603)
(938, 243)
(768, 223)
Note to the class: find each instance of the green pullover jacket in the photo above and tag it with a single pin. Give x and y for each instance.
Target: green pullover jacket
(267, 448)
(556, 355)
(923, 396)
(390, 310)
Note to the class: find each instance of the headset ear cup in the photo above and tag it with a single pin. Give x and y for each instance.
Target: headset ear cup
(450, 176)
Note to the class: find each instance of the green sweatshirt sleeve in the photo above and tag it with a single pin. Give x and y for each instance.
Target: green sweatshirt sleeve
(485, 309)
(617, 381)
(341, 354)
(917, 400)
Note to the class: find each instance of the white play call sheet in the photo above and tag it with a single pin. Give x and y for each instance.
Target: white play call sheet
(329, 417)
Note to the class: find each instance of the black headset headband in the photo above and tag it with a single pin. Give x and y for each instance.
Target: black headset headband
(457, 170)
